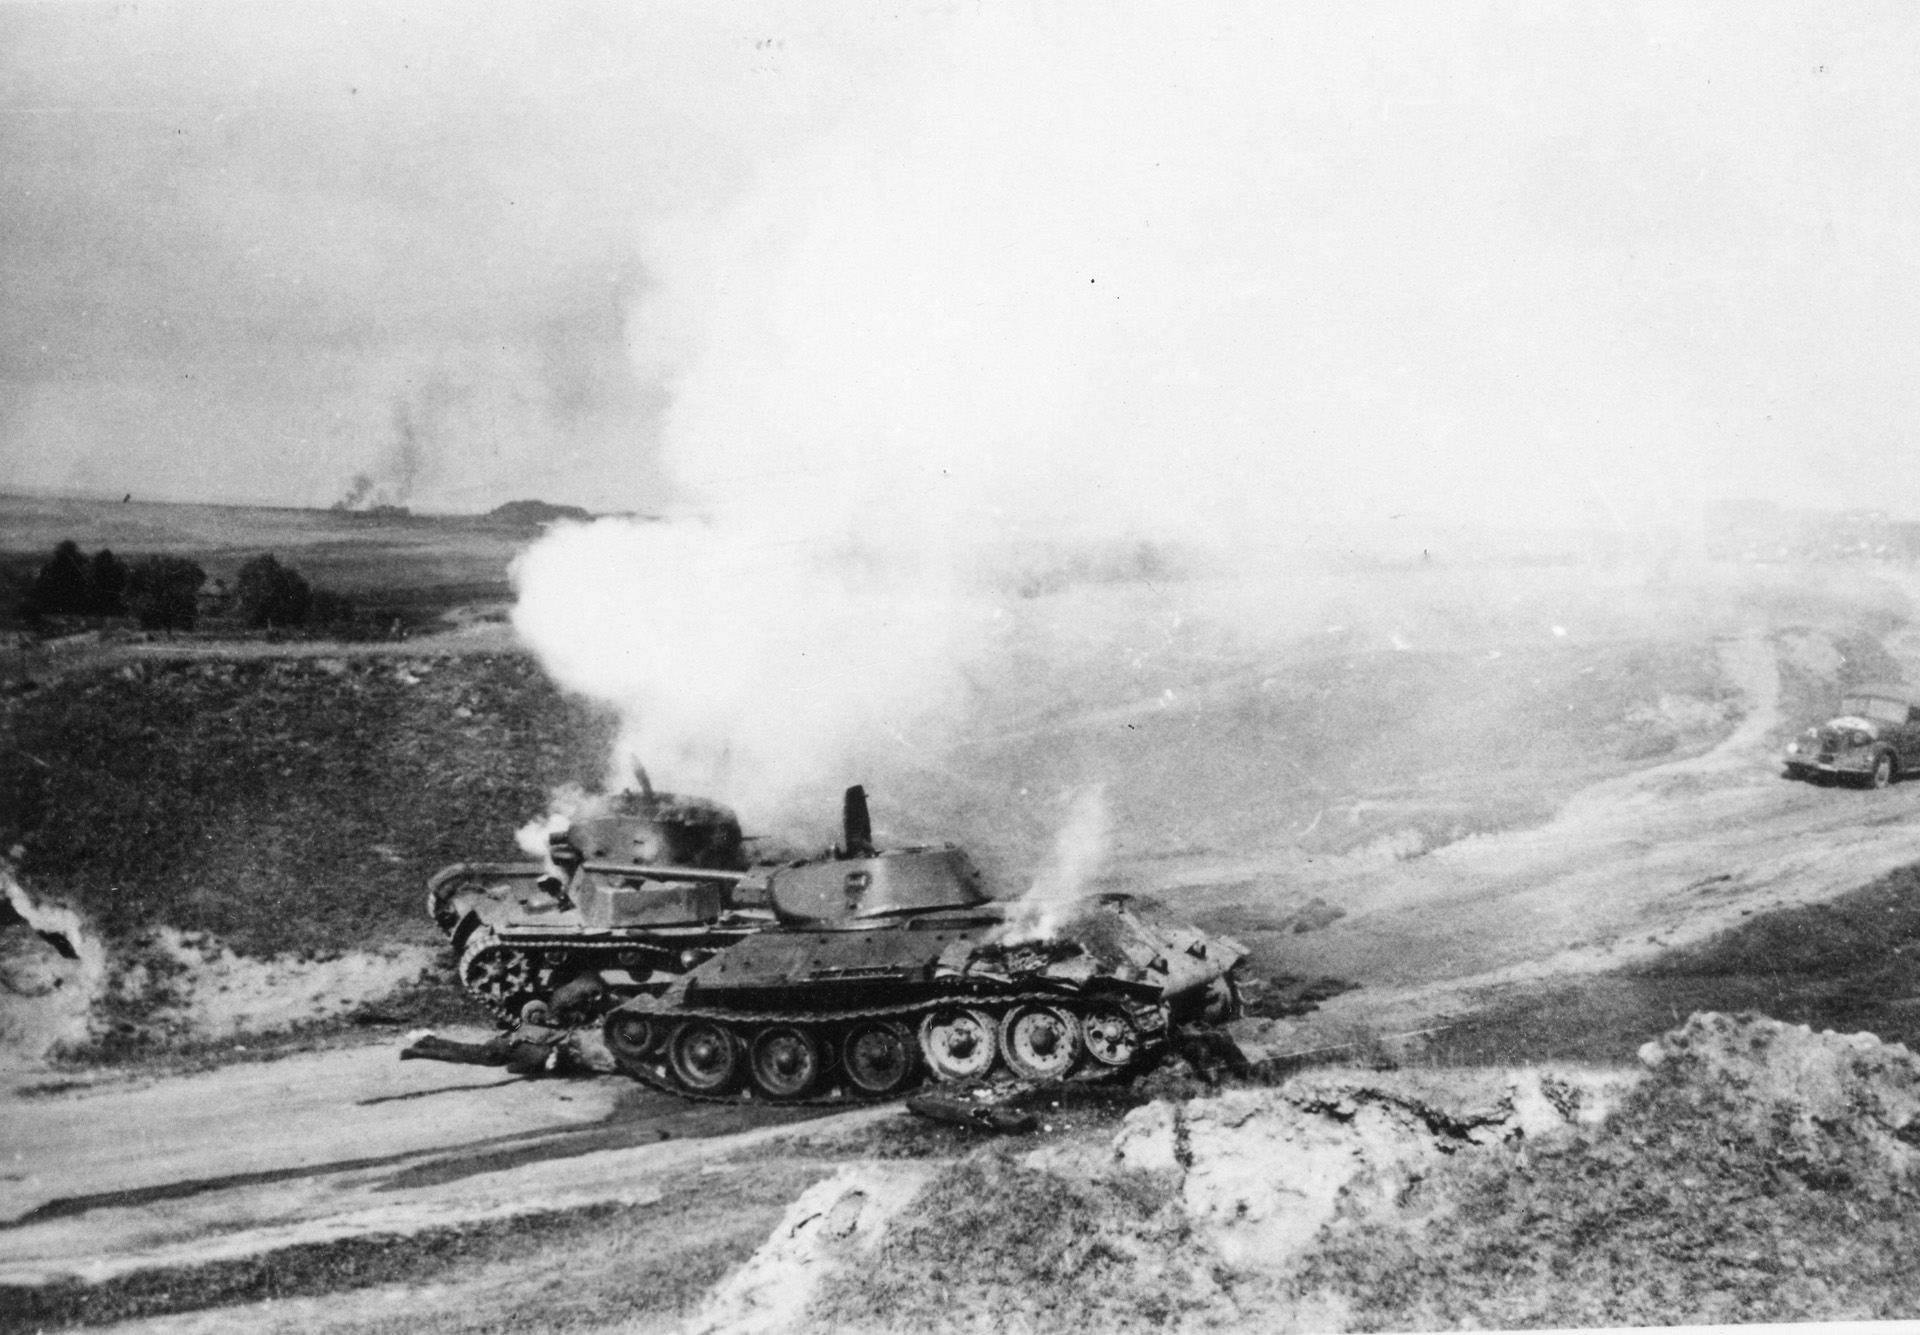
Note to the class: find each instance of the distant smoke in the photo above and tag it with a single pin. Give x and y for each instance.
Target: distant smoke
(417, 421)
(358, 492)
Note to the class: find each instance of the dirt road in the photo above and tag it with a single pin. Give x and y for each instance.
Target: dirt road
(321, 1146)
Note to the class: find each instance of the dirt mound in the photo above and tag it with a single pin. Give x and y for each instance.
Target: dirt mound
(1261, 1171)
(834, 1225)
(1188, 1217)
(1762, 1172)
(1752, 1171)
(1836, 1110)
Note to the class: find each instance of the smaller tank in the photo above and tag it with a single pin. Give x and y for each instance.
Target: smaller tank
(643, 889)
(884, 969)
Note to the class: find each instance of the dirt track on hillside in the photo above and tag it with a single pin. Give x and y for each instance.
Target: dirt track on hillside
(1629, 868)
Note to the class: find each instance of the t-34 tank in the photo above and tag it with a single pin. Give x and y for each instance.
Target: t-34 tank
(886, 968)
(645, 888)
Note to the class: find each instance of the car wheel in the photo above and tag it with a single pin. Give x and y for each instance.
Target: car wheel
(1883, 770)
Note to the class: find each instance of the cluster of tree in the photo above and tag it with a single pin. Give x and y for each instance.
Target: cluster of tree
(268, 594)
(163, 592)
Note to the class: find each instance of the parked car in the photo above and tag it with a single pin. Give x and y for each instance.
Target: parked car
(1873, 741)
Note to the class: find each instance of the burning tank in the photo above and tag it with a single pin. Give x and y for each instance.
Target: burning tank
(884, 968)
(643, 889)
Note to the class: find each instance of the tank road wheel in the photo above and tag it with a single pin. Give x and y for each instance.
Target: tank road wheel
(704, 1056)
(784, 1061)
(958, 1043)
(1110, 1036)
(878, 1057)
(500, 976)
(1040, 1042)
(632, 1036)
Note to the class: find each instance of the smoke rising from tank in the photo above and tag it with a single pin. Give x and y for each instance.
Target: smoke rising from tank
(567, 804)
(1079, 849)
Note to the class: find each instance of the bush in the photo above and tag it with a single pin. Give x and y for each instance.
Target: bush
(164, 592)
(267, 593)
(107, 583)
(330, 609)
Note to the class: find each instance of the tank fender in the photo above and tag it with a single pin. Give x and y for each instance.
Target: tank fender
(442, 885)
(464, 929)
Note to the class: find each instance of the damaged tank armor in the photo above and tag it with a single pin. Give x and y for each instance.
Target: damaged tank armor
(880, 969)
(626, 898)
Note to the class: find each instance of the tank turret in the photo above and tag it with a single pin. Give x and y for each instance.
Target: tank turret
(642, 888)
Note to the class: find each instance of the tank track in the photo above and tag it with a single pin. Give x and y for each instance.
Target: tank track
(523, 970)
(842, 1093)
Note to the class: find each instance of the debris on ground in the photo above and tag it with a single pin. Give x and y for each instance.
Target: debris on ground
(982, 1106)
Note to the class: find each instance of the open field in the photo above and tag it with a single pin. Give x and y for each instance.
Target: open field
(414, 569)
(1504, 816)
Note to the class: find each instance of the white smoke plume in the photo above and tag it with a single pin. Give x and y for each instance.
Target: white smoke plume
(743, 668)
(1079, 850)
(1065, 281)
(567, 803)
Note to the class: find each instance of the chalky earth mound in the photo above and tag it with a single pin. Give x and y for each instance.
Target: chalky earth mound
(1750, 1171)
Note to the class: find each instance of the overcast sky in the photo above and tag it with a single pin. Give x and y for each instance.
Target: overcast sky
(1585, 265)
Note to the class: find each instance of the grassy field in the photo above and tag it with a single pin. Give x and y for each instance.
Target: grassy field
(1707, 1198)
(1850, 965)
(412, 569)
(288, 806)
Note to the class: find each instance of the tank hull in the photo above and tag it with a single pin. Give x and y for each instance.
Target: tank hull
(628, 898)
(873, 1009)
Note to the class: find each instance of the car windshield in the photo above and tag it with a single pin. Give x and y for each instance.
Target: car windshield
(1875, 707)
